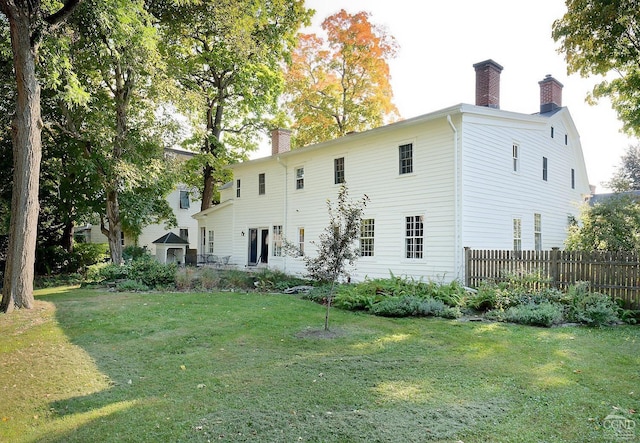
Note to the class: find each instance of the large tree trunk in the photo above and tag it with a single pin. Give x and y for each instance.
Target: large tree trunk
(27, 153)
(114, 231)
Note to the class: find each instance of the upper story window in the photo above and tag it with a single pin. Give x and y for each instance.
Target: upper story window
(262, 186)
(573, 178)
(414, 236)
(517, 234)
(184, 234)
(552, 132)
(184, 200)
(545, 169)
(515, 152)
(566, 139)
(300, 178)
(338, 170)
(238, 188)
(405, 155)
(366, 237)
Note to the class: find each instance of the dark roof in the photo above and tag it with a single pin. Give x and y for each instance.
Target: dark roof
(599, 198)
(171, 238)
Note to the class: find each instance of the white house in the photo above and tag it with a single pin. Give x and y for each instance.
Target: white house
(184, 207)
(464, 176)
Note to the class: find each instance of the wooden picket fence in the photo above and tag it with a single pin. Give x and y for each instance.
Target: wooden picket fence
(613, 273)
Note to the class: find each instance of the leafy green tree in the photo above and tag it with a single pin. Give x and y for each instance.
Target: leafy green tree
(337, 246)
(226, 57)
(28, 22)
(610, 225)
(115, 50)
(627, 177)
(599, 37)
(341, 84)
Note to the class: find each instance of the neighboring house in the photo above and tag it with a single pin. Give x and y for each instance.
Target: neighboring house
(600, 198)
(464, 176)
(184, 206)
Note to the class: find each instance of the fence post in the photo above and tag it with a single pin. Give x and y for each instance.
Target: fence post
(467, 262)
(554, 271)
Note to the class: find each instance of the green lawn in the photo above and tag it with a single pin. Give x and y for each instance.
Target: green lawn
(89, 366)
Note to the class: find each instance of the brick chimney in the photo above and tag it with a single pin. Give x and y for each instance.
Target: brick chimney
(550, 94)
(488, 84)
(280, 141)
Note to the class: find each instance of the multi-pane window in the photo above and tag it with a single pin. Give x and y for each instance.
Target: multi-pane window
(277, 241)
(301, 241)
(414, 236)
(537, 231)
(545, 171)
(210, 242)
(366, 237)
(238, 188)
(405, 154)
(516, 157)
(573, 178)
(203, 240)
(262, 186)
(184, 234)
(338, 170)
(300, 178)
(184, 200)
(517, 234)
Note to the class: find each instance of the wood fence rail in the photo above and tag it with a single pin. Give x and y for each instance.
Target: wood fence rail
(613, 273)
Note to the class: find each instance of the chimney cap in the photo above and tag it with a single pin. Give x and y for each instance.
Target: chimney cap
(488, 62)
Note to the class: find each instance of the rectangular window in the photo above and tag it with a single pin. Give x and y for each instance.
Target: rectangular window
(203, 240)
(184, 200)
(544, 168)
(299, 178)
(238, 188)
(262, 186)
(537, 231)
(301, 240)
(414, 236)
(573, 178)
(566, 139)
(366, 237)
(338, 170)
(405, 154)
(517, 234)
(184, 234)
(210, 251)
(516, 157)
(552, 132)
(277, 241)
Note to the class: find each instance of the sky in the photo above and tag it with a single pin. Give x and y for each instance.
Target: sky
(441, 40)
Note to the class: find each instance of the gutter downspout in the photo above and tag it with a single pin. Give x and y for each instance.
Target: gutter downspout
(285, 208)
(456, 210)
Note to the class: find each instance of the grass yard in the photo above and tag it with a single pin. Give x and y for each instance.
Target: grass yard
(92, 366)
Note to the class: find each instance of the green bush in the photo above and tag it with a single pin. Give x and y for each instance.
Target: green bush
(209, 278)
(133, 252)
(152, 273)
(357, 297)
(412, 306)
(591, 308)
(544, 314)
(131, 286)
(107, 272)
(268, 280)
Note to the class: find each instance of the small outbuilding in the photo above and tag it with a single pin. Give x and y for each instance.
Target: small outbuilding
(171, 249)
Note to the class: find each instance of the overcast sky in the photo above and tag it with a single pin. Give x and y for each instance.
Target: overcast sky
(441, 40)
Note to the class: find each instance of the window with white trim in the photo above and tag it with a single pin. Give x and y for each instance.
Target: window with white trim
(184, 200)
(300, 178)
(517, 234)
(238, 188)
(301, 241)
(573, 178)
(405, 155)
(338, 170)
(210, 242)
(537, 232)
(276, 246)
(515, 152)
(545, 168)
(414, 236)
(367, 229)
(262, 184)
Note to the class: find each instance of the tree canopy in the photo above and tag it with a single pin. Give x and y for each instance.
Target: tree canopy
(627, 177)
(599, 37)
(341, 84)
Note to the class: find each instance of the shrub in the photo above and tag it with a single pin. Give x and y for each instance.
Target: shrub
(412, 306)
(276, 280)
(186, 279)
(209, 278)
(591, 308)
(319, 293)
(544, 314)
(152, 273)
(131, 286)
(133, 252)
(357, 297)
(108, 272)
